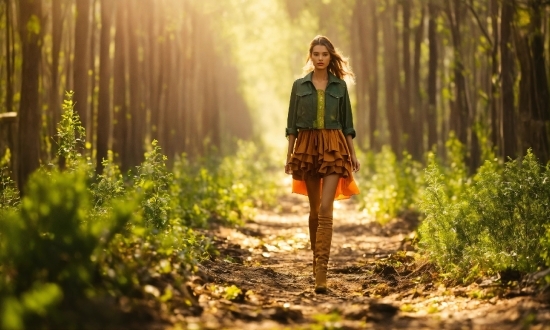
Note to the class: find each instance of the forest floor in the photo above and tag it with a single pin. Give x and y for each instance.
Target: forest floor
(262, 279)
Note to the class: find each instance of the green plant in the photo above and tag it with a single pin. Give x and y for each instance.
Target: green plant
(71, 135)
(109, 185)
(48, 259)
(153, 181)
(389, 186)
(493, 222)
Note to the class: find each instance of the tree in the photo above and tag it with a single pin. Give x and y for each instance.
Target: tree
(105, 73)
(82, 63)
(30, 32)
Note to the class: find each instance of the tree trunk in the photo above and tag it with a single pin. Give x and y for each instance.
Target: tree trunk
(432, 76)
(359, 51)
(408, 129)
(120, 127)
(104, 97)
(9, 59)
(507, 116)
(373, 78)
(540, 94)
(391, 80)
(137, 116)
(31, 25)
(55, 99)
(417, 104)
(81, 62)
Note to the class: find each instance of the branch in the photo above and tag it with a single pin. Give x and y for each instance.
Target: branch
(485, 33)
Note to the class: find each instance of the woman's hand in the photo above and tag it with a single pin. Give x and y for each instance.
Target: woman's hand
(355, 163)
(288, 168)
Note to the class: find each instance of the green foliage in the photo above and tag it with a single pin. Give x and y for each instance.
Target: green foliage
(109, 185)
(232, 292)
(495, 221)
(71, 135)
(388, 186)
(153, 181)
(9, 194)
(78, 237)
(226, 189)
(48, 247)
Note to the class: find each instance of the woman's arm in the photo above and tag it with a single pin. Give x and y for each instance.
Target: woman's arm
(291, 140)
(353, 157)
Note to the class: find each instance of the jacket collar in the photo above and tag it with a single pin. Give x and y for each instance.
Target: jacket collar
(331, 78)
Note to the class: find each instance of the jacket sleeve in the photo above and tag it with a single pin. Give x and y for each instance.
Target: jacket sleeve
(347, 117)
(291, 118)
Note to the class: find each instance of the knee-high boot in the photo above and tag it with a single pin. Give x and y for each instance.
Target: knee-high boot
(313, 224)
(322, 253)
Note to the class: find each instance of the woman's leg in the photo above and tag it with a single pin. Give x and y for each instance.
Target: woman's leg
(324, 232)
(313, 186)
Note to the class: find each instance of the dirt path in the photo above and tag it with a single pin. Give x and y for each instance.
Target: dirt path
(262, 280)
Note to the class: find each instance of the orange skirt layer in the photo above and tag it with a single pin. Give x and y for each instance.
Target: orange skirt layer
(321, 152)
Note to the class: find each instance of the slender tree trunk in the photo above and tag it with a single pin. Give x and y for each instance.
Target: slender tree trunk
(55, 102)
(373, 77)
(81, 63)
(412, 139)
(359, 50)
(432, 76)
(31, 25)
(390, 81)
(419, 109)
(540, 93)
(507, 116)
(9, 54)
(496, 108)
(120, 127)
(104, 98)
(137, 116)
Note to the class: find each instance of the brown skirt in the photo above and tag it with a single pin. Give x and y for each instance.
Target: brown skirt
(318, 153)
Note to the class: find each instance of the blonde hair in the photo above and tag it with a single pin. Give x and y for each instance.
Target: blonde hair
(338, 66)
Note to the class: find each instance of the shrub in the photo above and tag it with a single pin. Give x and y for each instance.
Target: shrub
(153, 181)
(47, 248)
(388, 186)
(71, 135)
(495, 222)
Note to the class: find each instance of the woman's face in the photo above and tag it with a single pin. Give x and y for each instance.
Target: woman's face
(320, 57)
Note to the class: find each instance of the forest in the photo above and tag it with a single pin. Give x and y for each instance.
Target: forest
(142, 164)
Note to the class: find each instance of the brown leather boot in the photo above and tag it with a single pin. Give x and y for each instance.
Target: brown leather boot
(322, 253)
(313, 224)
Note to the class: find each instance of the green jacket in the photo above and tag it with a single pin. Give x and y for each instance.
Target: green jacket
(302, 110)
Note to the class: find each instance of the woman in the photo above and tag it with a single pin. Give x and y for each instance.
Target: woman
(321, 156)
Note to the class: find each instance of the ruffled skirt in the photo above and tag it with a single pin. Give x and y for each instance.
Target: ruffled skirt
(318, 153)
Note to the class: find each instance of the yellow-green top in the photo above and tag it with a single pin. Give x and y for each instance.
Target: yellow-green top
(320, 121)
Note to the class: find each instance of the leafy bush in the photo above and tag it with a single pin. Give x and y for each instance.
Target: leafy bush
(494, 222)
(109, 185)
(388, 186)
(225, 189)
(78, 238)
(47, 248)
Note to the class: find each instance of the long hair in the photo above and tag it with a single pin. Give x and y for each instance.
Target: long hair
(338, 66)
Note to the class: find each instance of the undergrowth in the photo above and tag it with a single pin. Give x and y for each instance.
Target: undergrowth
(494, 221)
(81, 246)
